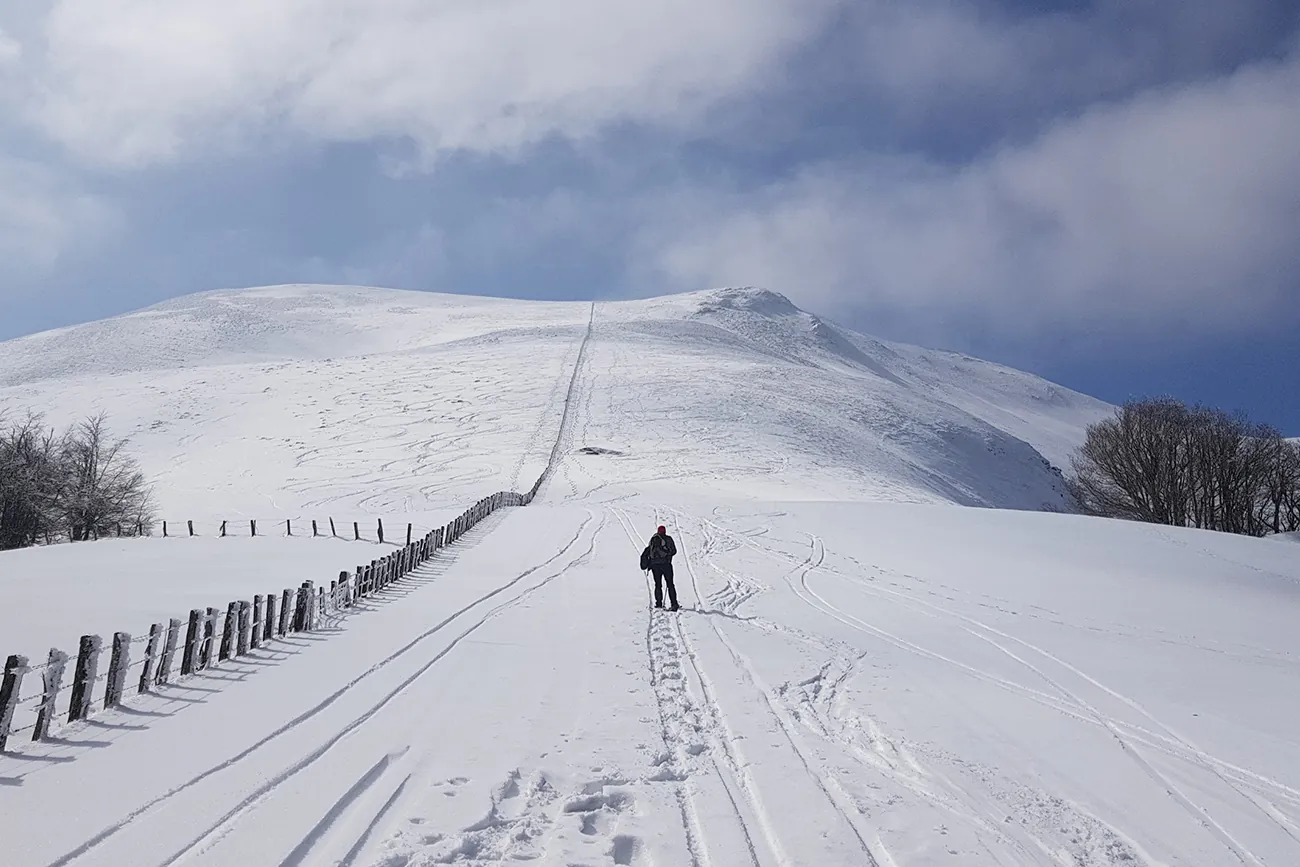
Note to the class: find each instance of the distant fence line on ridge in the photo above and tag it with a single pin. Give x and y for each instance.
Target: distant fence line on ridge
(246, 527)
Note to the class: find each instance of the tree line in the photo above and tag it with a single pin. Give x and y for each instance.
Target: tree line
(1164, 462)
(72, 485)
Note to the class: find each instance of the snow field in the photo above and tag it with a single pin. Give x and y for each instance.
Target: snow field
(834, 699)
(350, 437)
(863, 672)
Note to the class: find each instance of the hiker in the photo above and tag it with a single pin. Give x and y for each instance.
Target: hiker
(658, 559)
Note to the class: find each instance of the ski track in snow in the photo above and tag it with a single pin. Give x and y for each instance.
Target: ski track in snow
(1169, 742)
(350, 728)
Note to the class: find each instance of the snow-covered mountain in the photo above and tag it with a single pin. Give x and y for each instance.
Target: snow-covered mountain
(247, 402)
(852, 681)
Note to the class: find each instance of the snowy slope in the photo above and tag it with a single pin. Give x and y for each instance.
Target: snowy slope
(301, 401)
(853, 680)
(848, 684)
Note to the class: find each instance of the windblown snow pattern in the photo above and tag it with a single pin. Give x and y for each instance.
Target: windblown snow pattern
(893, 649)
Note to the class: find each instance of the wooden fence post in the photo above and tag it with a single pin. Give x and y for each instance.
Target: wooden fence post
(344, 599)
(10, 687)
(252, 525)
(151, 651)
(169, 653)
(223, 529)
(191, 526)
(381, 531)
(332, 533)
(245, 624)
(117, 666)
(408, 534)
(207, 650)
(314, 534)
(164, 529)
(268, 628)
(83, 681)
(356, 531)
(259, 611)
(190, 658)
(228, 632)
(286, 611)
(302, 614)
(288, 526)
(51, 680)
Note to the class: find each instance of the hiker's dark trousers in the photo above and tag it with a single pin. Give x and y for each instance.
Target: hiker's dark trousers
(663, 572)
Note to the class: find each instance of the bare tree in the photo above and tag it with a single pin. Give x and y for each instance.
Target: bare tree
(1135, 464)
(1163, 462)
(31, 483)
(78, 485)
(104, 484)
(1284, 491)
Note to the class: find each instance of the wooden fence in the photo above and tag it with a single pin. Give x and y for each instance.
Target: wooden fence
(258, 527)
(188, 646)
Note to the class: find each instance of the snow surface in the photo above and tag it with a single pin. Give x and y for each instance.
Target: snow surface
(864, 672)
(311, 402)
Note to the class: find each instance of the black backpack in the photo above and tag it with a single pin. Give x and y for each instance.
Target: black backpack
(645, 558)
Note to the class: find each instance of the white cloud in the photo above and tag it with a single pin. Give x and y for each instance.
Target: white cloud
(1176, 208)
(43, 218)
(10, 50)
(135, 81)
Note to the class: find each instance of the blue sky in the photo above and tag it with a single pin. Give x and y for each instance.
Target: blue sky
(1105, 193)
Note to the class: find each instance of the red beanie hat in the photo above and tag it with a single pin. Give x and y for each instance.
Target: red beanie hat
(663, 529)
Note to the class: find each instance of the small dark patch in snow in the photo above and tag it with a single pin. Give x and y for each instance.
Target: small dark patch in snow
(598, 450)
